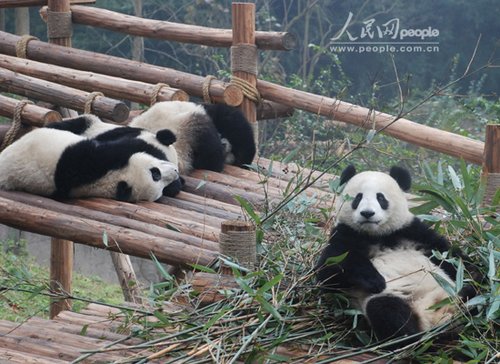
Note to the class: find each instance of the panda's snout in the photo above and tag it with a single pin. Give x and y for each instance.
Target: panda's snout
(367, 213)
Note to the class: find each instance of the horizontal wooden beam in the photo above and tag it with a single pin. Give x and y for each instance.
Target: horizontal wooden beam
(91, 232)
(30, 115)
(114, 87)
(61, 95)
(425, 136)
(24, 3)
(178, 32)
(123, 68)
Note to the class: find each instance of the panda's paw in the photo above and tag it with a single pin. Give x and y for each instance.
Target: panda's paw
(373, 284)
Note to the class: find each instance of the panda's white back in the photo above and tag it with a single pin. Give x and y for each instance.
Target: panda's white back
(29, 163)
(168, 114)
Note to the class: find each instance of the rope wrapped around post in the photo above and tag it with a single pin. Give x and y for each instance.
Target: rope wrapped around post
(237, 240)
(87, 108)
(22, 45)
(59, 24)
(244, 58)
(154, 94)
(206, 89)
(11, 134)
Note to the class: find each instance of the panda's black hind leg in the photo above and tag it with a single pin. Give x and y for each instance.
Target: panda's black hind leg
(392, 317)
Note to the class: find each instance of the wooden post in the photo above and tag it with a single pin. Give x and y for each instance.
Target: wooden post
(61, 255)
(244, 55)
(491, 162)
(22, 21)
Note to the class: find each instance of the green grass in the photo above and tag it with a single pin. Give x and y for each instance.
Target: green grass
(19, 271)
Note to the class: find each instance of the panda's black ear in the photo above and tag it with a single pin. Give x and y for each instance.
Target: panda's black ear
(402, 177)
(166, 137)
(347, 174)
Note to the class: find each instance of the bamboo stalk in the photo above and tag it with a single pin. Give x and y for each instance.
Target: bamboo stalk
(119, 67)
(92, 233)
(178, 32)
(61, 95)
(114, 87)
(403, 129)
(31, 114)
(491, 164)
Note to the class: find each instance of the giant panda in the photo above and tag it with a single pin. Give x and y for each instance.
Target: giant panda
(92, 127)
(61, 164)
(389, 268)
(208, 136)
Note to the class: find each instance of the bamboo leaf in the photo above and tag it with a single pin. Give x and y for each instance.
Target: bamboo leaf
(269, 307)
(105, 239)
(455, 179)
(247, 206)
(460, 276)
(160, 268)
(268, 285)
(337, 259)
(202, 268)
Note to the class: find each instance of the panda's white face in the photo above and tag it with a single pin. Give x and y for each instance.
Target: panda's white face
(373, 203)
(148, 176)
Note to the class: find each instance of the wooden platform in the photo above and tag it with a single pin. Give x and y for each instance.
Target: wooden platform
(180, 230)
(65, 338)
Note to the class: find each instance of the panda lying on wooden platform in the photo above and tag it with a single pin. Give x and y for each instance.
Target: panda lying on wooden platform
(388, 267)
(61, 164)
(208, 135)
(159, 144)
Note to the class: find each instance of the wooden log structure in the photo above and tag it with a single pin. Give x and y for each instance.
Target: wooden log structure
(113, 87)
(5, 128)
(273, 110)
(61, 250)
(491, 165)
(61, 95)
(244, 56)
(178, 32)
(18, 3)
(404, 129)
(124, 68)
(31, 114)
(59, 225)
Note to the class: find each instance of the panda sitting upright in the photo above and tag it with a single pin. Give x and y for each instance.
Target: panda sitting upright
(388, 266)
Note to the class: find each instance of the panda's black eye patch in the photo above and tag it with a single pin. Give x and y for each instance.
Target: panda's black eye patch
(155, 174)
(384, 204)
(356, 201)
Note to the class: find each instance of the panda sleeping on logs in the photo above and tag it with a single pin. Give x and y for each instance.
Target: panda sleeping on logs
(61, 164)
(388, 266)
(208, 135)
(160, 144)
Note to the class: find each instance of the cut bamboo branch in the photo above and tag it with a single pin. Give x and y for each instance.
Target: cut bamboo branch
(61, 95)
(119, 67)
(178, 32)
(90, 232)
(403, 129)
(31, 114)
(114, 87)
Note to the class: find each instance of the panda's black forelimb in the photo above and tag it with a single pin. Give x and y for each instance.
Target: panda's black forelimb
(76, 125)
(354, 271)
